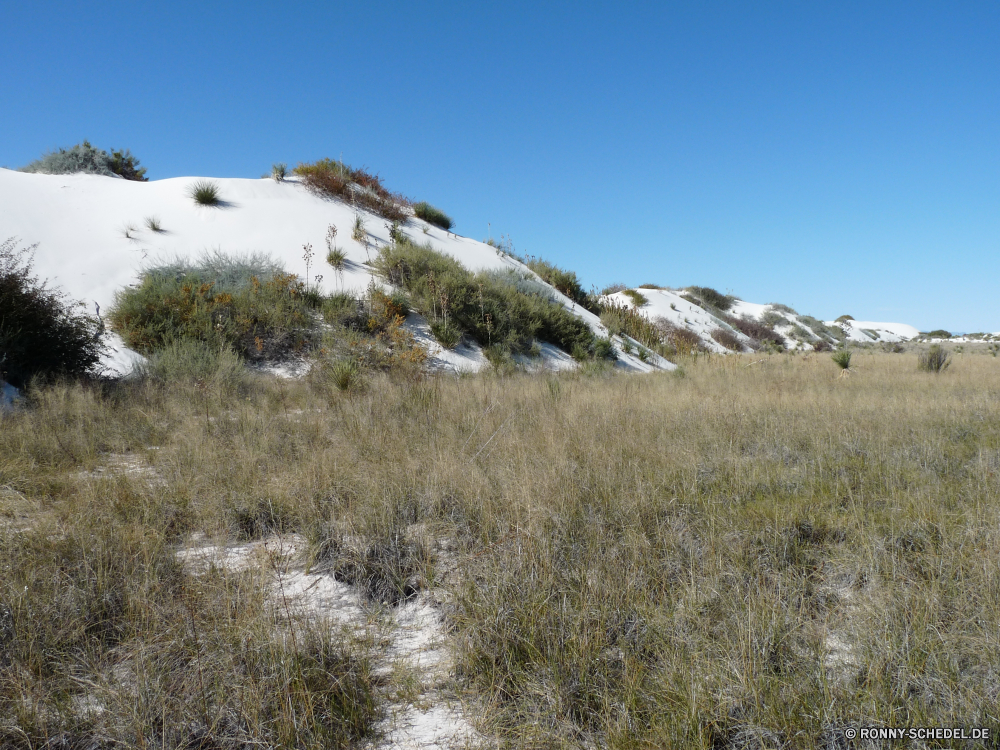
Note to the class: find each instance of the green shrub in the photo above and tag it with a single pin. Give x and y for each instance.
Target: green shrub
(637, 297)
(85, 158)
(431, 215)
(41, 332)
(604, 349)
(651, 286)
(938, 333)
(279, 172)
(844, 318)
(488, 307)
(336, 258)
(334, 179)
(613, 289)
(247, 303)
(205, 193)
(842, 357)
(563, 281)
(446, 333)
(935, 359)
(706, 296)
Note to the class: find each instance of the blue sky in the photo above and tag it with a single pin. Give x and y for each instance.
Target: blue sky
(838, 157)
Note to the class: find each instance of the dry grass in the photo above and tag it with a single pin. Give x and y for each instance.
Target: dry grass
(745, 556)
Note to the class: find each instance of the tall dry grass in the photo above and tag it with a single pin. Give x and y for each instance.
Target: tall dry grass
(753, 554)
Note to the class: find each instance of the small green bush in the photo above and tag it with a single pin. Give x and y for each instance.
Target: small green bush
(756, 330)
(431, 215)
(336, 258)
(778, 307)
(771, 319)
(844, 318)
(446, 333)
(279, 172)
(842, 358)
(622, 320)
(613, 289)
(938, 333)
(205, 193)
(194, 361)
(935, 359)
(85, 158)
(41, 332)
(604, 349)
(637, 297)
(153, 224)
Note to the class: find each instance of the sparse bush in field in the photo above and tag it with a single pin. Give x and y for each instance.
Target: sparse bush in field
(613, 289)
(217, 300)
(153, 224)
(194, 361)
(564, 281)
(728, 339)
(778, 307)
(705, 296)
(935, 359)
(279, 172)
(844, 318)
(431, 215)
(205, 193)
(490, 308)
(41, 332)
(90, 160)
(637, 297)
(334, 179)
(938, 333)
(842, 358)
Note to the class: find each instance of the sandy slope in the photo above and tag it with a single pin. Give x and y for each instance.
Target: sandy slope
(80, 222)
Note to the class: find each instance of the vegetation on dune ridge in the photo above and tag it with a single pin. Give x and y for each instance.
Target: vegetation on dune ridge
(356, 185)
(626, 563)
(85, 158)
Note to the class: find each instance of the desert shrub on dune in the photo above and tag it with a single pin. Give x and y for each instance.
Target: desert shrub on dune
(756, 330)
(83, 157)
(432, 215)
(334, 179)
(728, 339)
(705, 296)
(41, 332)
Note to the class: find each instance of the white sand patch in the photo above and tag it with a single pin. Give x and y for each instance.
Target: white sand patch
(124, 464)
(411, 637)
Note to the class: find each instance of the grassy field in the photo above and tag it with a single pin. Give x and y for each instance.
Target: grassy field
(753, 553)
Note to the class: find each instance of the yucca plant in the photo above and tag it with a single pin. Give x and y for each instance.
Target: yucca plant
(843, 359)
(205, 193)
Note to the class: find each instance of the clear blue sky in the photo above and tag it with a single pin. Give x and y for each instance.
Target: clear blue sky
(838, 157)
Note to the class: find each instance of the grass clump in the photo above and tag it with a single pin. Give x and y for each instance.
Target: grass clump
(205, 193)
(431, 215)
(334, 179)
(279, 172)
(85, 158)
(153, 224)
(42, 334)
(935, 359)
(247, 303)
(494, 309)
